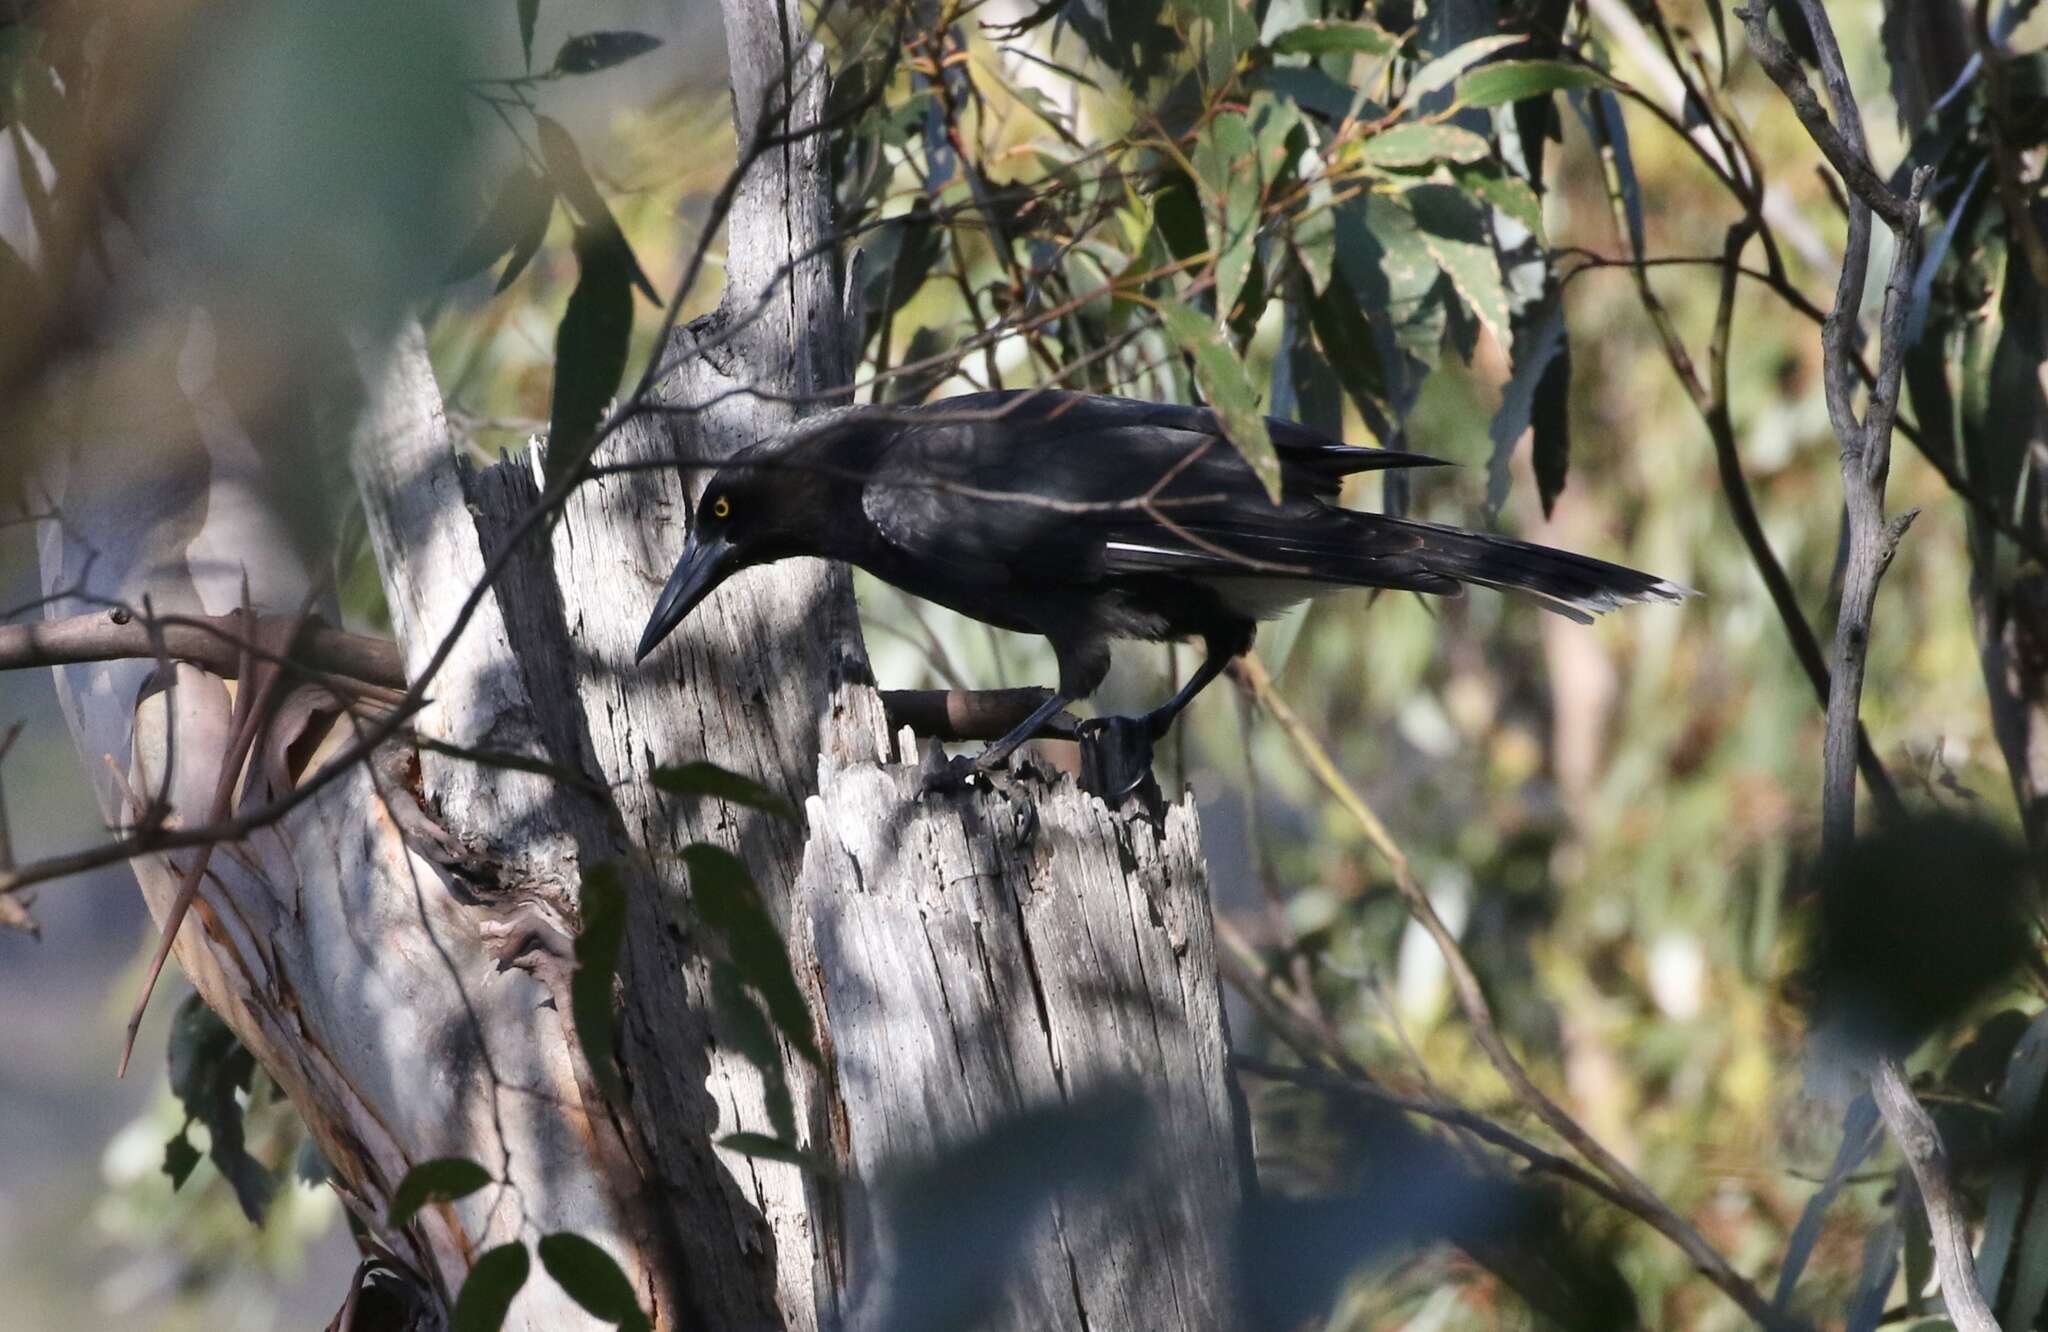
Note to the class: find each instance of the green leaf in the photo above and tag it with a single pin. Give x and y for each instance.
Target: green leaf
(443, 1179)
(592, 1278)
(1513, 80)
(207, 1067)
(1500, 188)
(590, 347)
(772, 1149)
(1536, 344)
(1454, 232)
(726, 899)
(1221, 373)
(1336, 36)
(572, 181)
(705, 778)
(1414, 144)
(589, 52)
(603, 907)
(529, 10)
(494, 1280)
(1226, 160)
(523, 205)
(1442, 71)
(1312, 233)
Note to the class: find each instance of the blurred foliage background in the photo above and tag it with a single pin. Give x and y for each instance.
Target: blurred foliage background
(1616, 819)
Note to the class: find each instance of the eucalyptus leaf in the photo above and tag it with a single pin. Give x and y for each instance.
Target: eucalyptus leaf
(1453, 230)
(572, 181)
(1445, 69)
(529, 11)
(494, 1281)
(1418, 144)
(1516, 80)
(523, 198)
(1536, 342)
(443, 1179)
(208, 1066)
(1335, 37)
(1221, 373)
(593, 1279)
(590, 346)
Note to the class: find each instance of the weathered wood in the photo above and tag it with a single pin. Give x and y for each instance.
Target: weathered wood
(331, 944)
(974, 957)
(358, 946)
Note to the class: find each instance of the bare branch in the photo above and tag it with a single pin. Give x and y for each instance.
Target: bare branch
(1472, 999)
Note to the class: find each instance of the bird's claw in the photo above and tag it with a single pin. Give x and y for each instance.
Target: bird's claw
(1116, 755)
(939, 775)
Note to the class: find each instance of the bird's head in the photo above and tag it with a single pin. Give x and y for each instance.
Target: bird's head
(743, 518)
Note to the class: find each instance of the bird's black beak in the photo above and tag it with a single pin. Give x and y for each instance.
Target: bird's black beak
(703, 566)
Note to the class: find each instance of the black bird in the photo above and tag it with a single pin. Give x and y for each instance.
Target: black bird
(1087, 518)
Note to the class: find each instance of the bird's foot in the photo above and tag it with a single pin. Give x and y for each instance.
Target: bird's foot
(1116, 755)
(941, 775)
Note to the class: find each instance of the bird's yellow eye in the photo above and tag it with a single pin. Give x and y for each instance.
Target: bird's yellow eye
(721, 507)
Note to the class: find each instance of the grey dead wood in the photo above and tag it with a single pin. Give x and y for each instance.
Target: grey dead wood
(1872, 540)
(396, 950)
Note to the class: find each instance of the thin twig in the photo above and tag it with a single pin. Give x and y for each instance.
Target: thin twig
(1472, 999)
(1872, 540)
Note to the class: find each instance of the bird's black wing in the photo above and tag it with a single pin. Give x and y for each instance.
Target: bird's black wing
(1045, 484)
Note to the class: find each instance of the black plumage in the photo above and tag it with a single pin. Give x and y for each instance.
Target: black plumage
(1087, 519)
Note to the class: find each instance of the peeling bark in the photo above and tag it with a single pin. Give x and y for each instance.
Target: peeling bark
(397, 950)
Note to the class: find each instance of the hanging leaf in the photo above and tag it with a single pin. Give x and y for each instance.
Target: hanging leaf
(1444, 70)
(590, 52)
(443, 1179)
(1601, 112)
(2019, 1100)
(725, 898)
(590, 347)
(527, 245)
(1225, 159)
(524, 204)
(494, 1281)
(207, 1067)
(1453, 230)
(1550, 443)
(1499, 188)
(572, 181)
(1859, 1138)
(529, 11)
(1539, 339)
(593, 1279)
(1221, 373)
(603, 908)
(705, 778)
(1335, 37)
(1417, 144)
(1516, 80)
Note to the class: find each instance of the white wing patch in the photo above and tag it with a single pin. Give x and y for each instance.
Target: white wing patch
(1263, 598)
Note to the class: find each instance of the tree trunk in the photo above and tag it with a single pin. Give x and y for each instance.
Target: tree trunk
(398, 951)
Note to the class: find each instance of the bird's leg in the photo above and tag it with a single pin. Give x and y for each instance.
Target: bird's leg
(1221, 651)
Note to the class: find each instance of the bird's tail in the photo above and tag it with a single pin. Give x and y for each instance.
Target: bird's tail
(1577, 586)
